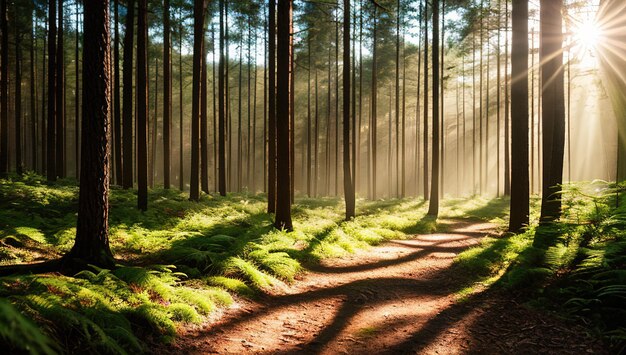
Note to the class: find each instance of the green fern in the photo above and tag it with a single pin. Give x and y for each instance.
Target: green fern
(20, 333)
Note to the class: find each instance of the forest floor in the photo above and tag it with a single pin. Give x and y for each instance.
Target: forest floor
(400, 297)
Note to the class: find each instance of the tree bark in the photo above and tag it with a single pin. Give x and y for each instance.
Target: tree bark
(127, 110)
(507, 112)
(272, 126)
(181, 117)
(397, 98)
(142, 107)
(77, 97)
(553, 109)
(92, 240)
(520, 198)
(222, 107)
(51, 166)
(60, 96)
(33, 97)
(426, 106)
(198, 50)
(433, 209)
(117, 113)
(204, 123)
(283, 89)
(348, 186)
(18, 104)
(373, 124)
(4, 89)
(167, 95)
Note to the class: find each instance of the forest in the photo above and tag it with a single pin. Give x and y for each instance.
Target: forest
(205, 176)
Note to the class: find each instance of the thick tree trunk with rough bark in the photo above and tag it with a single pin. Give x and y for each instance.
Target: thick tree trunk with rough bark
(271, 97)
(283, 109)
(553, 108)
(92, 241)
(520, 198)
(198, 53)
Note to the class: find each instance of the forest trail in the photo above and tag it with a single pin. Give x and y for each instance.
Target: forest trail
(395, 298)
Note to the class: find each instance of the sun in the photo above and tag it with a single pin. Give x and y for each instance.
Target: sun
(588, 34)
(586, 39)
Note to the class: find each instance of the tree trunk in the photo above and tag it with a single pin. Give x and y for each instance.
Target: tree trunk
(553, 108)
(316, 134)
(348, 186)
(474, 185)
(4, 90)
(249, 94)
(308, 121)
(328, 121)
(426, 106)
(358, 144)
(18, 104)
(204, 123)
(214, 91)
(283, 89)
(153, 141)
(520, 197)
(127, 110)
(222, 108)
(481, 146)
(167, 95)
(403, 124)
(52, 93)
(433, 209)
(142, 106)
(92, 240)
(44, 106)
(397, 97)
(33, 97)
(532, 111)
(272, 126)
(507, 134)
(181, 117)
(374, 123)
(337, 104)
(198, 53)
(254, 119)
(417, 102)
(60, 96)
(239, 119)
(117, 113)
(498, 96)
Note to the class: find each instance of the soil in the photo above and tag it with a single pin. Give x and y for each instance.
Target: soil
(400, 297)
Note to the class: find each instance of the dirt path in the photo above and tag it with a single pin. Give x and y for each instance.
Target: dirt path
(395, 298)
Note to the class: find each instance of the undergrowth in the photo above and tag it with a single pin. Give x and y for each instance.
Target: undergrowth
(582, 274)
(211, 250)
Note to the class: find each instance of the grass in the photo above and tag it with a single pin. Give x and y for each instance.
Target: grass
(581, 273)
(182, 260)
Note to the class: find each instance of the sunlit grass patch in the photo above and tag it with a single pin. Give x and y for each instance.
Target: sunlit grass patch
(216, 248)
